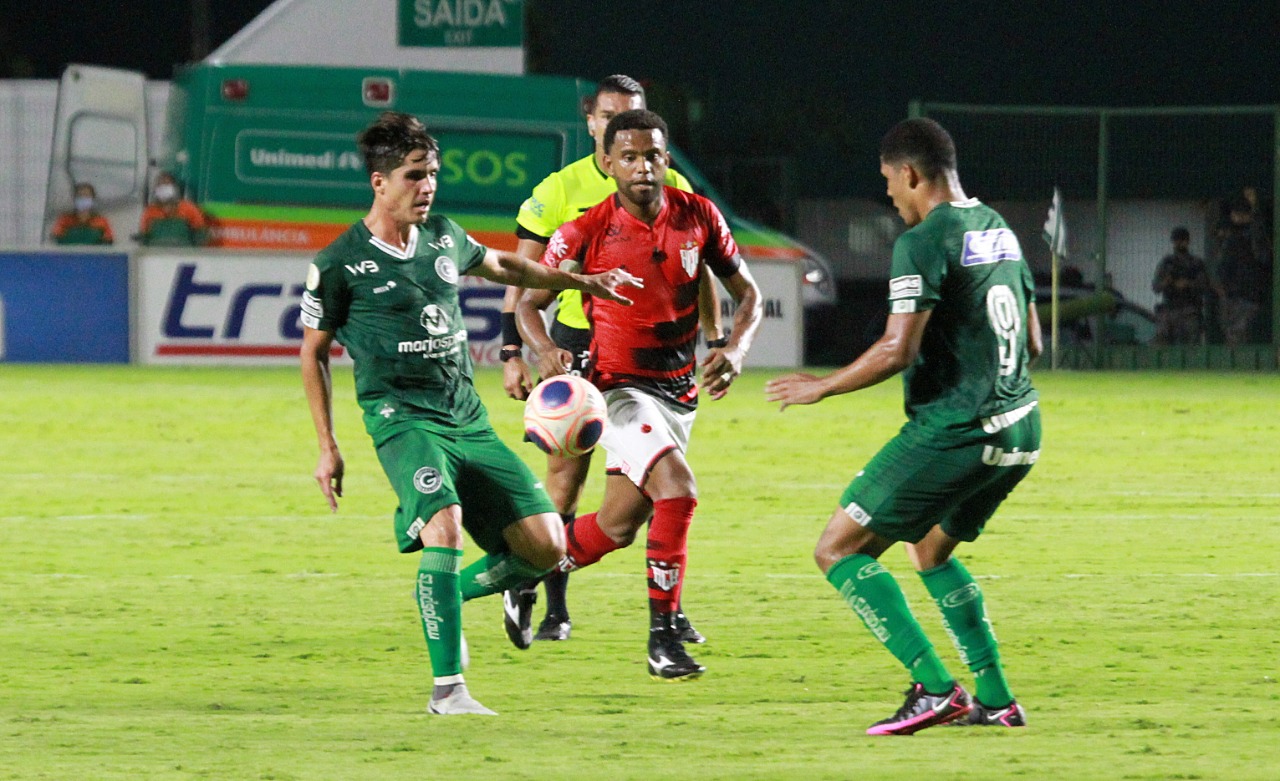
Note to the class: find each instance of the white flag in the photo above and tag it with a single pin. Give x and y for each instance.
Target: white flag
(1055, 228)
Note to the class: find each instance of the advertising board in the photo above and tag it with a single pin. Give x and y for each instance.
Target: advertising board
(64, 307)
(243, 308)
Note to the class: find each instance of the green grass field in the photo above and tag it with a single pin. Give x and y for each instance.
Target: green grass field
(178, 603)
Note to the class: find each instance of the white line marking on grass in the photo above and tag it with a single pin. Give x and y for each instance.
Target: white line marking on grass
(816, 576)
(1198, 494)
(318, 515)
(82, 477)
(1177, 575)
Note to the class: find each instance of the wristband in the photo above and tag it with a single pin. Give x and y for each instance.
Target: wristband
(508, 353)
(713, 343)
(510, 333)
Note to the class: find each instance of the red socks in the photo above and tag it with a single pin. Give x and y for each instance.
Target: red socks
(585, 543)
(667, 550)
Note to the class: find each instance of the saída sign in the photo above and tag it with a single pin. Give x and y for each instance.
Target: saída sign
(460, 23)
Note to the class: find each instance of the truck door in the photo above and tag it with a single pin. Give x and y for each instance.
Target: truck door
(100, 137)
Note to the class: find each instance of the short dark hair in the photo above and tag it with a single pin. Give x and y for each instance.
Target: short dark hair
(617, 83)
(391, 138)
(1180, 234)
(635, 119)
(921, 143)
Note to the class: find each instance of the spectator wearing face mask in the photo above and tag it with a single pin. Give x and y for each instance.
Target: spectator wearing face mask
(170, 220)
(83, 225)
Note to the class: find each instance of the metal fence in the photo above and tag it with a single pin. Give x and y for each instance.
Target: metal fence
(1128, 176)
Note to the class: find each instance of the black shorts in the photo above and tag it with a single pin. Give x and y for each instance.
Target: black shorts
(576, 341)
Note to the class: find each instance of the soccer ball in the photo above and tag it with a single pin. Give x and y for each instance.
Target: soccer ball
(564, 416)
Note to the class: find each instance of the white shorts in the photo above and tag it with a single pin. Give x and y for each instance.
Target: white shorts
(642, 429)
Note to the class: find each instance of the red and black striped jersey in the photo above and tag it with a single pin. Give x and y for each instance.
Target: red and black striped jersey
(649, 345)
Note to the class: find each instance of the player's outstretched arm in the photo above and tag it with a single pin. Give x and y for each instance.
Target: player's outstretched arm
(552, 360)
(517, 378)
(317, 382)
(511, 269)
(722, 364)
(893, 352)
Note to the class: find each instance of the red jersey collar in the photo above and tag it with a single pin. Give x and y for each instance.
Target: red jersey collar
(662, 213)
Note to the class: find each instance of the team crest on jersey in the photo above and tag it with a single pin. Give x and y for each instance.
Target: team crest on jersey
(557, 246)
(427, 480)
(435, 320)
(990, 246)
(689, 257)
(447, 271)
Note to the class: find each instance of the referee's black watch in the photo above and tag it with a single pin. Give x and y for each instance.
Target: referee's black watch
(711, 343)
(507, 353)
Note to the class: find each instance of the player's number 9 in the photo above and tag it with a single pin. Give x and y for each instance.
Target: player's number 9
(1006, 321)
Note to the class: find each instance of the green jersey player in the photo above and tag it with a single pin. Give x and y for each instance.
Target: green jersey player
(387, 290)
(963, 329)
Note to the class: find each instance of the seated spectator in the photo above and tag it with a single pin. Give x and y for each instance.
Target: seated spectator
(170, 220)
(83, 225)
(1182, 280)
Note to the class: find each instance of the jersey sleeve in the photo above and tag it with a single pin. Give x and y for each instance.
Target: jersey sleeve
(326, 298)
(192, 214)
(470, 252)
(721, 251)
(565, 244)
(540, 212)
(107, 236)
(1028, 283)
(60, 227)
(149, 215)
(916, 274)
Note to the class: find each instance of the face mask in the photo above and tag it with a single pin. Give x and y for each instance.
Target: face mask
(166, 193)
(84, 203)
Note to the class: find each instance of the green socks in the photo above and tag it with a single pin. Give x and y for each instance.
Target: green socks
(495, 573)
(964, 616)
(872, 593)
(440, 605)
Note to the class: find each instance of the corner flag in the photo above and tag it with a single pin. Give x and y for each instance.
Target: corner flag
(1055, 228)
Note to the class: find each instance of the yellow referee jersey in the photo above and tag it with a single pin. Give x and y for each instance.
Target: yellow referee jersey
(564, 196)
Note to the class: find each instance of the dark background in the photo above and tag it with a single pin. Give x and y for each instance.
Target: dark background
(806, 88)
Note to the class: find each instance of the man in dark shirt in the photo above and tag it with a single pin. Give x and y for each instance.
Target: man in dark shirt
(1244, 273)
(1183, 281)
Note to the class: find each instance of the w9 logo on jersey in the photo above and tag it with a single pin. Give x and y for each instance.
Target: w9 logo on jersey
(990, 246)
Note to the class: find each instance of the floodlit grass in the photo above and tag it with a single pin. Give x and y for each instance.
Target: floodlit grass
(178, 603)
